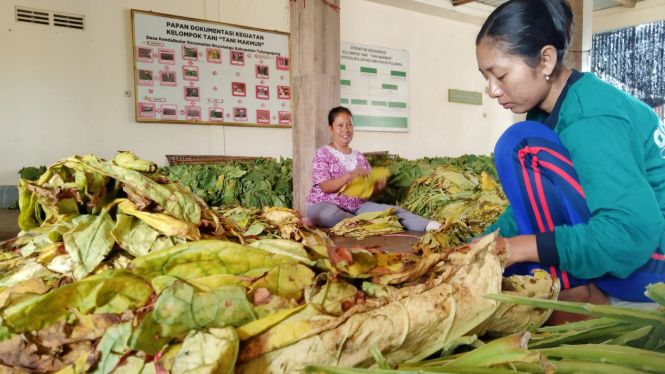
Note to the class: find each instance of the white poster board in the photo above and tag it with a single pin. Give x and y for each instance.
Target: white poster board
(202, 72)
(375, 86)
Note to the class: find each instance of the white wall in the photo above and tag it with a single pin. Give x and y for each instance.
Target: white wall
(61, 90)
(646, 11)
(442, 56)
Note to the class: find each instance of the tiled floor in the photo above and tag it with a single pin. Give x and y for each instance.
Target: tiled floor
(8, 223)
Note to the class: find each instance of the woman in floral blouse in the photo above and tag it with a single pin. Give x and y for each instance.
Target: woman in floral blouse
(335, 165)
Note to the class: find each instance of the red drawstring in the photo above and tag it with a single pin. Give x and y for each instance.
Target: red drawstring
(528, 189)
(541, 193)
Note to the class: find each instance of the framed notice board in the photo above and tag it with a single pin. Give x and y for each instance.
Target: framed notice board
(202, 72)
(375, 86)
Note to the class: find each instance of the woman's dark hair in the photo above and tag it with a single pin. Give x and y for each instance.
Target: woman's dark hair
(524, 27)
(335, 111)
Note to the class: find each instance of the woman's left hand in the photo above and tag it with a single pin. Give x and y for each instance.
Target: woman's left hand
(378, 186)
(521, 248)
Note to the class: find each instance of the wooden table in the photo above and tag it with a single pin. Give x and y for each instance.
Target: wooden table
(402, 243)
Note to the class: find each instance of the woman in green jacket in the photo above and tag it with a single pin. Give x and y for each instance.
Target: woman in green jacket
(585, 174)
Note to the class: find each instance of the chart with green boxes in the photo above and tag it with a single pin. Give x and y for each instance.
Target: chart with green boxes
(375, 86)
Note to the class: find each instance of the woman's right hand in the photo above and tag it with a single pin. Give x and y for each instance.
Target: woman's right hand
(360, 172)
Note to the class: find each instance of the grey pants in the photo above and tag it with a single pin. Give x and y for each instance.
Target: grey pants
(327, 215)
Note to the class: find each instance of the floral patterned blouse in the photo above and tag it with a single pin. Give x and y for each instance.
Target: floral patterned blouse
(330, 163)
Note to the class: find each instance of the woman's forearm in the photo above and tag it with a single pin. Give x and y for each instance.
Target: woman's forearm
(333, 185)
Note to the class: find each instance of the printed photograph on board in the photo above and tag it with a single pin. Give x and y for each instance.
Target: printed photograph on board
(167, 56)
(144, 54)
(145, 77)
(283, 92)
(193, 112)
(168, 77)
(239, 89)
(263, 116)
(262, 72)
(262, 92)
(237, 58)
(169, 111)
(240, 114)
(192, 94)
(285, 118)
(190, 73)
(146, 110)
(214, 55)
(190, 52)
(216, 114)
(282, 63)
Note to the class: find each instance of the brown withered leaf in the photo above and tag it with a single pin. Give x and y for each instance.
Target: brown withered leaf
(89, 327)
(56, 194)
(18, 353)
(339, 254)
(261, 296)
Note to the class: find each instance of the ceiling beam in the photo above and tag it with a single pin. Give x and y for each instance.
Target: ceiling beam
(462, 2)
(626, 3)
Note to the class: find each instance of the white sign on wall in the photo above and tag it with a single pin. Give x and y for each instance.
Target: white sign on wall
(375, 86)
(202, 72)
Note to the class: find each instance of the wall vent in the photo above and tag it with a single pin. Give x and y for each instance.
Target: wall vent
(33, 16)
(46, 17)
(71, 21)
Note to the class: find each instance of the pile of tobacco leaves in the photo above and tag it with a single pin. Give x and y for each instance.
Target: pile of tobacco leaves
(253, 184)
(118, 269)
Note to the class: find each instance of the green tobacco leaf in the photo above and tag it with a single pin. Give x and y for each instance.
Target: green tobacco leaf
(175, 199)
(110, 292)
(205, 258)
(30, 270)
(638, 316)
(214, 352)
(166, 224)
(27, 201)
(134, 235)
(333, 294)
(286, 280)
(640, 359)
(180, 309)
(656, 292)
(260, 325)
(284, 247)
(131, 161)
(89, 243)
(112, 347)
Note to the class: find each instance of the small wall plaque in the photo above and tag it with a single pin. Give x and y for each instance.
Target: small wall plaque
(465, 97)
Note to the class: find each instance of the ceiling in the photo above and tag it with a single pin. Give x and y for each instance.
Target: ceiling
(597, 4)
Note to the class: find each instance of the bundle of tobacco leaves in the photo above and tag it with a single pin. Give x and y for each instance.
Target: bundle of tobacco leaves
(369, 224)
(254, 184)
(464, 202)
(248, 225)
(364, 186)
(404, 172)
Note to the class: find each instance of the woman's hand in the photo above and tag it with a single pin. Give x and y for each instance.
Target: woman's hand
(360, 172)
(521, 248)
(378, 186)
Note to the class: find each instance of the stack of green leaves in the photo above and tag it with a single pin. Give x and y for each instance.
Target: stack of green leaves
(369, 224)
(208, 306)
(404, 172)
(254, 184)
